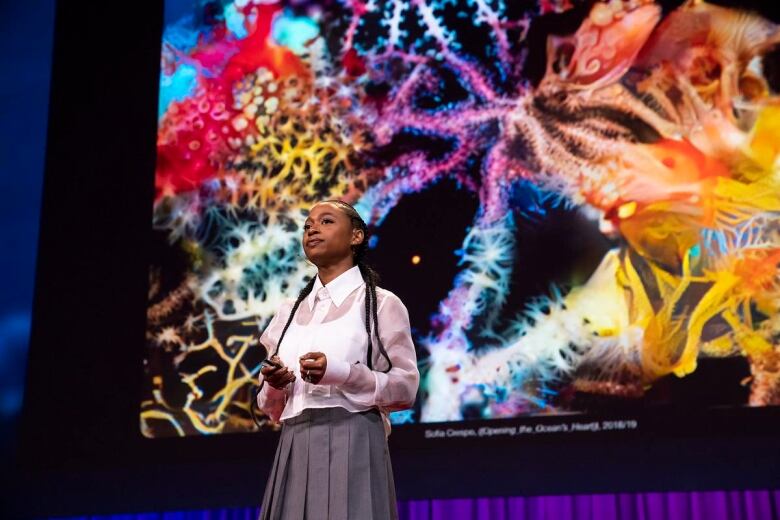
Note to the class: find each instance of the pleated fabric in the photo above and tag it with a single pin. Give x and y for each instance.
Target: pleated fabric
(331, 464)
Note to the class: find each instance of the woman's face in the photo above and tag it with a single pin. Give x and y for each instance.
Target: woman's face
(328, 235)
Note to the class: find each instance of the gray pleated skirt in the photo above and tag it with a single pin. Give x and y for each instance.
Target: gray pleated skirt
(331, 464)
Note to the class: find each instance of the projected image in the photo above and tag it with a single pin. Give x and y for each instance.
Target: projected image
(610, 172)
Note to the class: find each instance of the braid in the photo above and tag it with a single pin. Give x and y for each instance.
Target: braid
(370, 276)
(303, 294)
(370, 350)
(381, 345)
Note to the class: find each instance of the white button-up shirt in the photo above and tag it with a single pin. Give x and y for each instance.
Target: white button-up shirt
(331, 320)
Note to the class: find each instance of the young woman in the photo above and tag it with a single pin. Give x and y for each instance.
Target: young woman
(344, 358)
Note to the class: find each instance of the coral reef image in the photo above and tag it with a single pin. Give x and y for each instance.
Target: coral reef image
(644, 135)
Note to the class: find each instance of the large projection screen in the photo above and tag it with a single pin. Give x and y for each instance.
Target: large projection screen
(577, 201)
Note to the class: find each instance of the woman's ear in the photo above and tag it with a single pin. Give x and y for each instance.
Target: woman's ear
(357, 236)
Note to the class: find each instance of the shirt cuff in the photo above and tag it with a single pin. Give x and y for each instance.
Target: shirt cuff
(268, 390)
(336, 372)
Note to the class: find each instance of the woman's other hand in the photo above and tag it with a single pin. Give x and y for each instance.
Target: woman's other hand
(313, 366)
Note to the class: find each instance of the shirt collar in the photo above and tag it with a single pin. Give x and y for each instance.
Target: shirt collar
(338, 288)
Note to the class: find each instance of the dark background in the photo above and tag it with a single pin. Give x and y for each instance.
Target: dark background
(24, 92)
(80, 444)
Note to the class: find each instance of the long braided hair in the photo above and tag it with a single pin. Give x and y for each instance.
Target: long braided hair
(369, 276)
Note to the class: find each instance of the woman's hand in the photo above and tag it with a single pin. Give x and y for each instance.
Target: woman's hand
(313, 365)
(277, 377)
